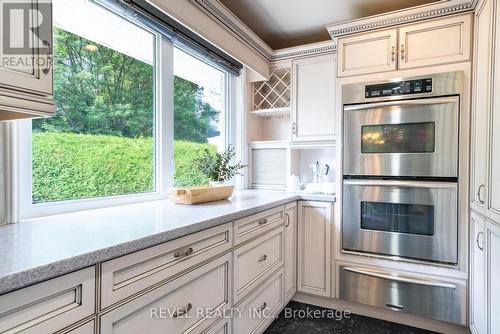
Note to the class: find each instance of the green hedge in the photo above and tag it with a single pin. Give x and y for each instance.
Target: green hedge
(72, 166)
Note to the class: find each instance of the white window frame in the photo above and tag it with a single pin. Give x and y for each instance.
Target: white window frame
(17, 155)
(163, 134)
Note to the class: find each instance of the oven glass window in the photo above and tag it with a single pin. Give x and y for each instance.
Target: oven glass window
(398, 138)
(397, 217)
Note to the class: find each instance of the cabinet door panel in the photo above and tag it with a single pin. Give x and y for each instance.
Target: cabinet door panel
(314, 98)
(435, 42)
(184, 305)
(367, 53)
(290, 250)
(314, 274)
(493, 272)
(493, 198)
(30, 69)
(481, 105)
(478, 276)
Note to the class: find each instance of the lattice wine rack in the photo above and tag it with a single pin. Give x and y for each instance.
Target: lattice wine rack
(273, 97)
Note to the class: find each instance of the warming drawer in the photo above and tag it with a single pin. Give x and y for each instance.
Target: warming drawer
(404, 293)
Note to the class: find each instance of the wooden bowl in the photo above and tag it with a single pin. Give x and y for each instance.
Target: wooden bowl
(201, 194)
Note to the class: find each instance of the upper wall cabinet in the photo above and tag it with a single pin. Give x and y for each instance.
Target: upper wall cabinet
(481, 102)
(313, 102)
(368, 53)
(485, 162)
(493, 185)
(26, 60)
(435, 42)
(429, 43)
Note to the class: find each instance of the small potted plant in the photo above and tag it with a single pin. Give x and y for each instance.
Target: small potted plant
(217, 166)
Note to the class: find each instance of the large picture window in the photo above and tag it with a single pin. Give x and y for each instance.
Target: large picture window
(199, 114)
(132, 113)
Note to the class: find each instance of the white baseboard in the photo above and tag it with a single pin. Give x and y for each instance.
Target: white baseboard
(378, 313)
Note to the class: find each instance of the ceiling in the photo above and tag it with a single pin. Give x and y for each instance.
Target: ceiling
(287, 23)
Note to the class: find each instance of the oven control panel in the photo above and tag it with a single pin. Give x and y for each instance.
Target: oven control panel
(399, 88)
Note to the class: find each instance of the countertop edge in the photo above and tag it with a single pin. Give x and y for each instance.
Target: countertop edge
(18, 280)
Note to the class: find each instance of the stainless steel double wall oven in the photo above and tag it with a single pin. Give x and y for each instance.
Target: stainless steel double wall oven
(400, 155)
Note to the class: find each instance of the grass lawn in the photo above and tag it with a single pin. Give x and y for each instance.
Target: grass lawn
(72, 166)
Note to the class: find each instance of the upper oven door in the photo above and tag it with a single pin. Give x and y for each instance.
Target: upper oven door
(402, 138)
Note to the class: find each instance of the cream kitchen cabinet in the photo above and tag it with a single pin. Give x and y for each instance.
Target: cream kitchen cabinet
(314, 247)
(368, 53)
(189, 304)
(446, 40)
(87, 328)
(485, 162)
(485, 276)
(493, 186)
(493, 277)
(434, 42)
(50, 306)
(290, 250)
(477, 276)
(26, 76)
(313, 98)
(481, 102)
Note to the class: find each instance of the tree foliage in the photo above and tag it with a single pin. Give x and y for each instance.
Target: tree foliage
(104, 92)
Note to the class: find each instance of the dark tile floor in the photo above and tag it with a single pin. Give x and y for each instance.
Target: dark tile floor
(330, 323)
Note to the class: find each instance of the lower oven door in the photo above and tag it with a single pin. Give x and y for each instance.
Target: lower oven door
(410, 219)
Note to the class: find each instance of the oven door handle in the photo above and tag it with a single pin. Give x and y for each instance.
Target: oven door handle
(402, 184)
(415, 102)
(402, 279)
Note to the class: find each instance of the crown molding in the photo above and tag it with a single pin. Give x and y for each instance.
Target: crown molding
(306, 50)
(226, 19)
(218, 12)
(404, 16)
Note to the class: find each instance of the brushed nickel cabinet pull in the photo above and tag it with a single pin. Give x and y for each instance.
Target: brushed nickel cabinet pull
(263, 221)
(262, 258)
(262, 307)
(294, 128)
(394, 306)
(479, 236)
(479, 194)
(184, 253)
(182, 311)
(287, 220)
(402, 52)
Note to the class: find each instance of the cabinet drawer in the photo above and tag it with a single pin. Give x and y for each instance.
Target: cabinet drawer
(256, 261)
(259, 309)
(131, 274)
(189, 304)
(87, 328)
(250, 227)
(428, 298)
(222, 327)
(49, 306)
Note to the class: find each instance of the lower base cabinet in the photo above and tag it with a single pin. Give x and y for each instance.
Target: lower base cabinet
(485, 276)
(493, 277)
(314, 247)
(189, 304)
(259, 309)
(478, 276)
(87, 328)
(290, 250)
